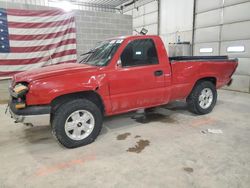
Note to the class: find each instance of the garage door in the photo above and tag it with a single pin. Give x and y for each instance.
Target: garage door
(222, 27)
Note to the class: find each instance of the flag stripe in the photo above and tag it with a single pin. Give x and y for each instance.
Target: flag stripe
(36, 60)
(63, 59)
(41, 48)
(37, 54)
(42, 36)
(38, 19)
(30, 43)
(40, 25)
(17, 12)
(37, 31)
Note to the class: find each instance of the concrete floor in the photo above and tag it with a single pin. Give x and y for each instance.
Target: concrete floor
(173, 150)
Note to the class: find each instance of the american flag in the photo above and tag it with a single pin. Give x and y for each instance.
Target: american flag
(30, 39)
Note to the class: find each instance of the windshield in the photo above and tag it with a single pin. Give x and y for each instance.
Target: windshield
(101, 54)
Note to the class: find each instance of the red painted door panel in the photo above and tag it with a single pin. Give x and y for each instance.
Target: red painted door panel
(143, 78)
(136, 87)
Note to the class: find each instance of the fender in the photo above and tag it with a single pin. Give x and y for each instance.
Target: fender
(43, 91)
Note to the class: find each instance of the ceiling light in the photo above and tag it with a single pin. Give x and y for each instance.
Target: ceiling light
(65, 5)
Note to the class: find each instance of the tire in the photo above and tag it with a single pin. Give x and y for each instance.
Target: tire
(73, 115)
(203, 98)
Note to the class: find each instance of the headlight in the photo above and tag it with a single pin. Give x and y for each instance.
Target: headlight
(18, 93)
(20, 90)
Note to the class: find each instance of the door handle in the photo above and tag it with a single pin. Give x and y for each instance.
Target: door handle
(158, 73)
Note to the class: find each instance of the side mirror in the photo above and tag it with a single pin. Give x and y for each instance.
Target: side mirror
(119, 63)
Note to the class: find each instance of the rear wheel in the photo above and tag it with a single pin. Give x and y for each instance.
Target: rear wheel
(203, 98)
(77, 123)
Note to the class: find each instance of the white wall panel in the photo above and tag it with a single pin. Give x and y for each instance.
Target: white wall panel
(151, 18)
(138, 21)
(233, 2)
(243, 67)
(176, 15)
(151, 7)
(152, 29)
(130, 12)
(138, 12)
(145, 15)
(236, 13)
(208, 34)
(240, 83)
(207, 19)
(236, 31)
(205, 5)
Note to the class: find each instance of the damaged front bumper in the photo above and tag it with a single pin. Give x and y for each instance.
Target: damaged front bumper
(32, 115)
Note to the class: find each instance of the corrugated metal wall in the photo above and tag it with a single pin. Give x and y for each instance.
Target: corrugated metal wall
(145, 14)
(222, 27)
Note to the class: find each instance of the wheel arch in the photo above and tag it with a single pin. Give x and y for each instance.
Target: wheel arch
(89, 95)
(211, 79)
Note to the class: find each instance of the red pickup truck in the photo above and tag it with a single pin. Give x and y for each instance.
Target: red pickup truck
(119, 75)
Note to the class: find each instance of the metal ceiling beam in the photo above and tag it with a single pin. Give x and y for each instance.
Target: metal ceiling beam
(110, 4)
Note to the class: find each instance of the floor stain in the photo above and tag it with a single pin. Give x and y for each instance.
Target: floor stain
(137, 136)
(188, 169)
(150, 117)
(202, 121)
(41, 139)
(141, 144)
(123, 136)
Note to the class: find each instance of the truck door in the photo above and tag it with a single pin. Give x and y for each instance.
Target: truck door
(139, 79)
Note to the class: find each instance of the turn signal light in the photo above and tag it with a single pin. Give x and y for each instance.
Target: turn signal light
(20, 105)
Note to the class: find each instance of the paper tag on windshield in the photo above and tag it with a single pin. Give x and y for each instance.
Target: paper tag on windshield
(119, 41)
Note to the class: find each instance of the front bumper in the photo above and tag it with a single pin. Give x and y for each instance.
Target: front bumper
(33, 115)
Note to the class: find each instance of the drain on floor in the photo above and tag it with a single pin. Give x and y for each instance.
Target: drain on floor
(141, 144)
(123, 136)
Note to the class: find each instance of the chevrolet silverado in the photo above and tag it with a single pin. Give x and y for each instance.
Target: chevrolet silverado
(119, 75)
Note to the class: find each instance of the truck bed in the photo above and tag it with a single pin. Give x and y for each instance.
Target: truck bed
(198, 58)
(191, 68)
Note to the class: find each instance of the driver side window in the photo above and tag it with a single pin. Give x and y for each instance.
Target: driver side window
(139, 52)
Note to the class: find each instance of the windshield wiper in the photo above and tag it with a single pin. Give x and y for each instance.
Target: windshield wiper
(89, 52)
(86, 53)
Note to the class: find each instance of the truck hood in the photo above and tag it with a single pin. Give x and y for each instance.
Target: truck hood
(52, 70)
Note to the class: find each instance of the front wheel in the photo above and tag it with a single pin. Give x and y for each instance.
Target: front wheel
(203, 98)
(77, 123)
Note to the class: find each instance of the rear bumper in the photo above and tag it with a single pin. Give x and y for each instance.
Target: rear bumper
(33, 115)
